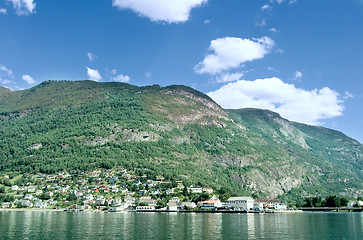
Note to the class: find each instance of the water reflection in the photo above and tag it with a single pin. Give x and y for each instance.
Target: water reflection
(129, 225)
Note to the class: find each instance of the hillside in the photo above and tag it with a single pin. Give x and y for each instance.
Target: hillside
(175, 131)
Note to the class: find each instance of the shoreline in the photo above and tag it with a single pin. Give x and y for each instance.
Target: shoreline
(158, 211)
(178, 211)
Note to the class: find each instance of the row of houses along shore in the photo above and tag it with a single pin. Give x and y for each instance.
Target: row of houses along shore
(233, 204)
(118, 190)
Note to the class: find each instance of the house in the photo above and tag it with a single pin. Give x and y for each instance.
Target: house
(258, 206)
(100, 200)
(195, 190)
(175, 199)
(38, 192)
(7, 205)
(170, 191)
(171, 206)
(207, 190)
(136, 183)
(155, 192)
(148, 200)
(280, 206)
(355, 203)
(269, 203)
(188, 205)
(211, 204)
(142, 192)
(30, 189)
(117, 202)
(28, 197)
(240, 203)
(150, 183)
(52, 202)
(89, 197)
(40, 204)
(78, 194)
(130, 201)
(25, 203)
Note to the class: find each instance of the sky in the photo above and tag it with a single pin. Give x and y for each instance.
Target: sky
(300, 58)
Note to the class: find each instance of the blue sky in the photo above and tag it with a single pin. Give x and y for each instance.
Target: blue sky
(302, 59)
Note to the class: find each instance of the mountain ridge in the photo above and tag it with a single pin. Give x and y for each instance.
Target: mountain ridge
(174, 130)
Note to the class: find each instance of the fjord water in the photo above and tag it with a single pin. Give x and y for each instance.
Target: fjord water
(131, 225)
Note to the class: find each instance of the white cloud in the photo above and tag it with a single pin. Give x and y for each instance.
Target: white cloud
(273, 30)
(170, 11)
(278, 1)
(279, 51)
(293, 103)
(23, 7)
(121, 78)
(91, 56)
(206, 21)
(93, 74)
(6, 71)
(3, 10)
(229, 77)
(5, 81)
(148, 74)
(266, 7)
(28, 79)
(297, 76)
(261, 24)
(348, 95)
(231, 52)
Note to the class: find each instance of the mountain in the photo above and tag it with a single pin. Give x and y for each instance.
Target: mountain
(4, 90)
(176, 132)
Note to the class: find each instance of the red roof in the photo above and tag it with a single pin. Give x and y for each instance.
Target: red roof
(210, 202)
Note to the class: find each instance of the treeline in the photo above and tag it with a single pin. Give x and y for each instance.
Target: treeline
(330, 201)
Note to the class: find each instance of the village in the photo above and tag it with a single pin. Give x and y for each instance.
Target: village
(119, 190)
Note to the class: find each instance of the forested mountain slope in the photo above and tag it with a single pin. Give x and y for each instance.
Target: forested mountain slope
(175, 131)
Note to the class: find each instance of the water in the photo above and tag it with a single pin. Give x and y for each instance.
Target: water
(130, 225)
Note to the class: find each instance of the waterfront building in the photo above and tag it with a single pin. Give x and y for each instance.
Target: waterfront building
(211, 204)
(241, 203)
(171, 206)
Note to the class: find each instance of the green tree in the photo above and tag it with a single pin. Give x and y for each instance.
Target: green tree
(332, 201)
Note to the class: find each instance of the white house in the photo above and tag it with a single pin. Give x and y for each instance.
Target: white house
(280, 206)
(175, 199)
(171, 206)
(28, 197)
(195, 190)
(211, 204)
(89, 197)
(354, 203)
(185, 205)
(242, 203)
(40, 204)
(271, 203)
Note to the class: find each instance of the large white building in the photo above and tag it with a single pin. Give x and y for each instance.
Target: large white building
(242, 203)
